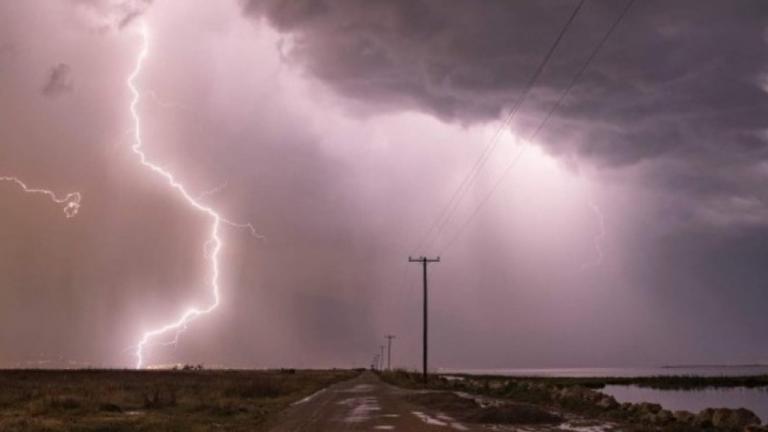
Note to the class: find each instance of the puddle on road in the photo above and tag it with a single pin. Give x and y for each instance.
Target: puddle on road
(429, 420)
(360, 388)
(362, 408)
(439, 420)
(308, 398)
(571, 426)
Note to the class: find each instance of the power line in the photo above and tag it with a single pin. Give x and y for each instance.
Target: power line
(583, 69)
(541, 125)
(446, 213)
(455, 201)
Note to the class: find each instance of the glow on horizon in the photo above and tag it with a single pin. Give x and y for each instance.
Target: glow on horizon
(212, 247)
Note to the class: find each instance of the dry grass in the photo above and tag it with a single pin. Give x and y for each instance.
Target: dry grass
(189, 401)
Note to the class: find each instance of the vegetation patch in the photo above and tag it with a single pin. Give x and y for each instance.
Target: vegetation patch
(188, 400)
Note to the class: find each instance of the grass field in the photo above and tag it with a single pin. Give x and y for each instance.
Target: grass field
(117, 400)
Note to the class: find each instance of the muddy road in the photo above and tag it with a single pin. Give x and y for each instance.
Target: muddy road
(365, 403)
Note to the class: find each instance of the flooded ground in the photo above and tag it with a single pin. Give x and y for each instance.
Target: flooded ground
(694, 400)
(753, 399)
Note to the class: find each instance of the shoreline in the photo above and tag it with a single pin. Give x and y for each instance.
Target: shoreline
(582, 397)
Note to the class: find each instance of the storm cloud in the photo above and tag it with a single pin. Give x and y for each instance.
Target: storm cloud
(679, 90)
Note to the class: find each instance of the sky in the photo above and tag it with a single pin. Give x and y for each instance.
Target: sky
(609, 212)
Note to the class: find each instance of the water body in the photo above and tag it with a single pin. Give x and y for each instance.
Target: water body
(753, 399)
(703, 371)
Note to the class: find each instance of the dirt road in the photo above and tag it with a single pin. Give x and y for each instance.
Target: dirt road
(365, 404)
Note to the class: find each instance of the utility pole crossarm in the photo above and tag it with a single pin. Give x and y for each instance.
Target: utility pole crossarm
(424, 259)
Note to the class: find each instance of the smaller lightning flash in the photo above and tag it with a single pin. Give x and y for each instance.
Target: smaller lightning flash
(597, 238)
(70, 202)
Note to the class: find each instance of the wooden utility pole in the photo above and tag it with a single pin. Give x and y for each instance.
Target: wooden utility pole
(424, 261)
(389, 350)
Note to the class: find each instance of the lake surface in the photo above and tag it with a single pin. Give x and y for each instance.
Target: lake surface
(705, 371)
(753, 399)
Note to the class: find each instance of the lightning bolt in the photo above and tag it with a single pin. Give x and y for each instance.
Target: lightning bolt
(214, 244)
(70, 202)
(597, 238)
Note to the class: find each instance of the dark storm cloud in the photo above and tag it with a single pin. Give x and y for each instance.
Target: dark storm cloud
(59, 81)
(681, 83)
(459, 62)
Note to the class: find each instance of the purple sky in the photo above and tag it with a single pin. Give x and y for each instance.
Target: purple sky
(632, 231)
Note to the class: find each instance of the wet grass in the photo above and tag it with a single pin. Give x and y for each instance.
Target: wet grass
(116, 400)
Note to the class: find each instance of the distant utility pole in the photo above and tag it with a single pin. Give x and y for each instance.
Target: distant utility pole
(381, 348)
(389, 350)
(424, 261)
